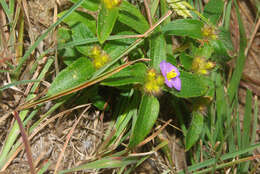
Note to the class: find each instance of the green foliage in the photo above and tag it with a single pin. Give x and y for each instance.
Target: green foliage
(81, 31)
(74, 75)
(91, 5)
(148, 113)
(213, 10)
(194, 131)
(132, 17)
(157, 49)
(105, 22)
(131, 75)
(192, 86)
(204, 110)
(78, 17)
(184, 27)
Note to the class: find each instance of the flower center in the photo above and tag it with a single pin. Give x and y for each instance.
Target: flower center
(171, 74)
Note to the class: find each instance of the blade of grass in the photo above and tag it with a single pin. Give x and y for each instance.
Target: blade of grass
(247, 120)
(227, 13)
(238, 128)
(17, 83)
(237, 74)
(6, 10)
(229, 164)
(11, 6)
(44, 168)
(227, 156)
(110, 162)
(255, 121)
(221, 108)
(247, 128)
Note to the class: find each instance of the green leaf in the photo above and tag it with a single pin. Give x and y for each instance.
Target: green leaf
(247, 120)
(220, 52)
(184, 27)
(112, 162)
(213, 10)
(68, 54)
(192, 85)
(194, 130)
(204, 51)
(157, 50)
(247, 124)
(91, 5)
(225, 36)
(80, 17)
(240, 62)
(79, 32)
(91, 94)
(105, 22)
(75, 74)
(147, 115)
(9, 85)
(186, 61)
(116, 48)
(132, 17)
(134, 74)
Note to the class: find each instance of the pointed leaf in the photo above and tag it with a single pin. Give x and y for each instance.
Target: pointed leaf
(134, 74)
(112, 162)
(116, 48)
(194, 131)
(79, 32)
(68, 54)
(213, 10)
(106, 20)
(147, 115)
(91, 5)
(184, 27)
(157, 50)
(80, 17)
(192, 85)
(75, 74)
(132, 17)
(186, 61)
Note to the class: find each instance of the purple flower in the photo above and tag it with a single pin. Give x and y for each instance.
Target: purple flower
(171, 75)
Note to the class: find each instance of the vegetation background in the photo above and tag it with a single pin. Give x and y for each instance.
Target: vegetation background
(75, 95)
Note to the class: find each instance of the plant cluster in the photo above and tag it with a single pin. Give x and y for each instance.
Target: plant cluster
(142, 51)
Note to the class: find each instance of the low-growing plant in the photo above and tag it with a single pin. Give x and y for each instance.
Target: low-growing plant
(164, 52)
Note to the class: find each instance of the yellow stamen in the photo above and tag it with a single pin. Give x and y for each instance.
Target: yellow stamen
(171, 74)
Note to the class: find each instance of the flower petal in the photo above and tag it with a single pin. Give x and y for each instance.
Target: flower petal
(168, 83)
(175, 69)
(163, 67)
(176, 83)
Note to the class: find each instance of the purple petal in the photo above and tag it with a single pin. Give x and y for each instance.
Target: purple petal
(163, 67)
(167, 67)
(176, 83)
(168, 83)
(175, 69)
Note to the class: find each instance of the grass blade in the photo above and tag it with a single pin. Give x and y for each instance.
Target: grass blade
(235, 79)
